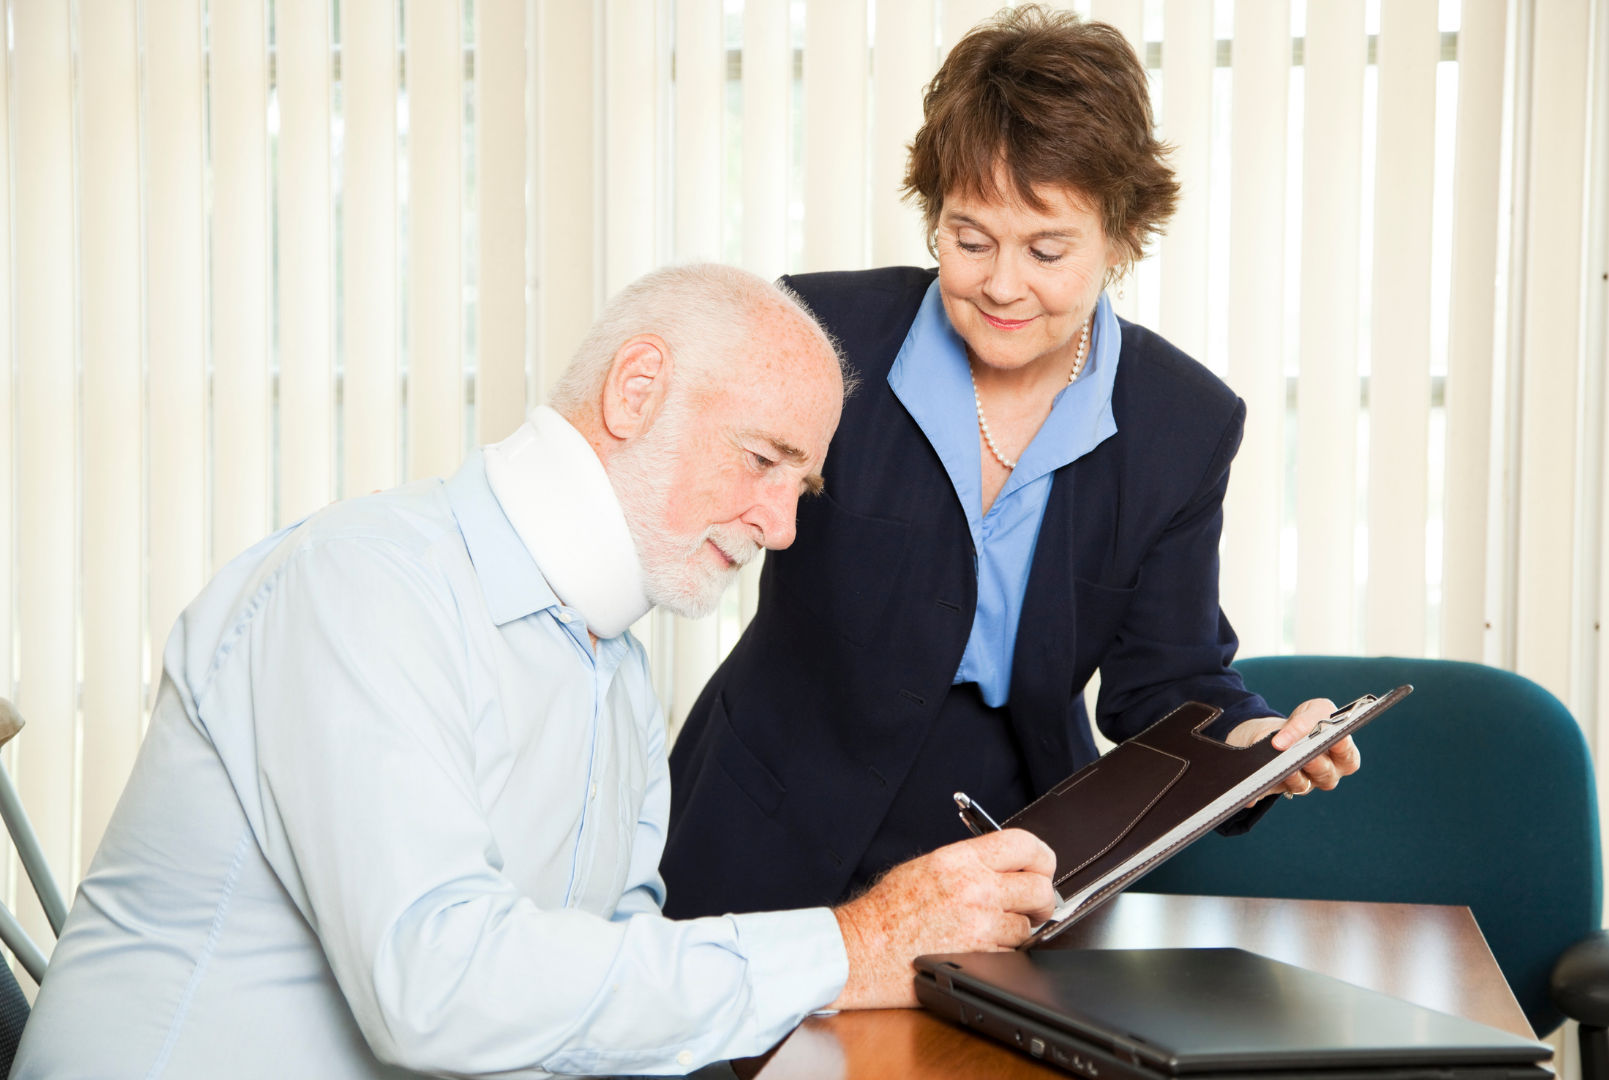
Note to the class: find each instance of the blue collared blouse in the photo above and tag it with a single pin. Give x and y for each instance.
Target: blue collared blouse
(932, 380)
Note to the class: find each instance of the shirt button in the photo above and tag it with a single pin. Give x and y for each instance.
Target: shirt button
(565, 616)
(684, 1058)
(592, 792)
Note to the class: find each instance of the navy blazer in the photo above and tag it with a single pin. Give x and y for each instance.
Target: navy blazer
(794, 751)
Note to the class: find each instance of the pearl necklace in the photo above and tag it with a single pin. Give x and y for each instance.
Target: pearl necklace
(983, 424)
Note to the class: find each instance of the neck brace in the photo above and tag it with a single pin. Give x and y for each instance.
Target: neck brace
(555, 493)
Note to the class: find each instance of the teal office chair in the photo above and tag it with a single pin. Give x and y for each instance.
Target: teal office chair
(1476, 790)
(13, 1005)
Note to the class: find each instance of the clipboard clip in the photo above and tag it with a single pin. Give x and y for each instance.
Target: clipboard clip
(1342, 715)
(1358, 712)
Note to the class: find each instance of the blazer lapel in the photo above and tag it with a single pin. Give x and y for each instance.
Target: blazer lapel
(1042, 675)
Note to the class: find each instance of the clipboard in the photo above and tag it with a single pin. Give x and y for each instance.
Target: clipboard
(1131, 809)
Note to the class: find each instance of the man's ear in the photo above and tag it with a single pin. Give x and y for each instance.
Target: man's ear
(635, 389)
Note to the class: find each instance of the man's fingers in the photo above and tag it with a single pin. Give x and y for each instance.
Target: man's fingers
(1013, 849)
(1011, 930)
(1027, 893)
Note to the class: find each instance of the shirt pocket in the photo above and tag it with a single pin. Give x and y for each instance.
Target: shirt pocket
(631, 787)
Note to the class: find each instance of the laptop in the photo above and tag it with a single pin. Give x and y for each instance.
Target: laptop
(1151, 1014)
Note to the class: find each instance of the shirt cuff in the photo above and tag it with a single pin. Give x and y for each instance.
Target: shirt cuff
(796, 965)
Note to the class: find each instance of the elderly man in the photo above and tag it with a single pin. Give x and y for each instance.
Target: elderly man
(404, 791)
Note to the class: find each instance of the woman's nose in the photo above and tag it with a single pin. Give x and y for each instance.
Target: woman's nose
(1004, 282)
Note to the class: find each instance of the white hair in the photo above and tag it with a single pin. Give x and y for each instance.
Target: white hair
(705, 312)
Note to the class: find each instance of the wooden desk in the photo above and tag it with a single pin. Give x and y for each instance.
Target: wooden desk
(1431, 955)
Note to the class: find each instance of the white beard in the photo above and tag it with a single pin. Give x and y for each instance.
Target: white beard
(678, 574)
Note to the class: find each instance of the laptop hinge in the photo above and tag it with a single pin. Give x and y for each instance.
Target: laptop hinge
(1125, 1050)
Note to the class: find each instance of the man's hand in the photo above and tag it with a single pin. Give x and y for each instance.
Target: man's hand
(1324, 771)
(978, 895)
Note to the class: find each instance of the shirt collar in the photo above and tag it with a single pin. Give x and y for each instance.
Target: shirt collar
(509, 578)
(931, 378)
(1081, 417)
(551, 488)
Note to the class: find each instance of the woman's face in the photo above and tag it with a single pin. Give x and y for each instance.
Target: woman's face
(1018, 283)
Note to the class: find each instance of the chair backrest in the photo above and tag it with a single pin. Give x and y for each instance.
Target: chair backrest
(1476, 790)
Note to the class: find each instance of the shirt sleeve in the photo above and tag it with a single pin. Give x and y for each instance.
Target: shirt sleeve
(367, 807)
(797, 959)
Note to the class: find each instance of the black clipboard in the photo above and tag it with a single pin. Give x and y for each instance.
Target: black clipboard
(1126, 813)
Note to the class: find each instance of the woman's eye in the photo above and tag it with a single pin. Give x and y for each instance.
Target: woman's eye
(1049, 258)
(971, 248)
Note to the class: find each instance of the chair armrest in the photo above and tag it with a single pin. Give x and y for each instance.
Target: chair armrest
(1580, 982)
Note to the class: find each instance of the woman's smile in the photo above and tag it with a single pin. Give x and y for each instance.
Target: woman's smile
(1004, 324)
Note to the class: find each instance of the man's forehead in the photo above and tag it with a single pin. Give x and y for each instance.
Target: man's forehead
(782, 393)
(784, 389)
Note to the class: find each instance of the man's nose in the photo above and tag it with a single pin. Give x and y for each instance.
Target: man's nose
(775, 516)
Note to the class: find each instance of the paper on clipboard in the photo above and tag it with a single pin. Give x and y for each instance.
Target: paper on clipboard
(1127, 812)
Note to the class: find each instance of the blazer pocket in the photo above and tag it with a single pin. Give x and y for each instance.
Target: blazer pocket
(740, 765)
(1099, 610)
(844, 567)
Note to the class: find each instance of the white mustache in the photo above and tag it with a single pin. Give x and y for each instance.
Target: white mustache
(738, 549)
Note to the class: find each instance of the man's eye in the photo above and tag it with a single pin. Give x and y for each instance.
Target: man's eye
(761, 461)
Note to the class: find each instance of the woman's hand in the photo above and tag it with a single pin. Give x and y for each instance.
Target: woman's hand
(1324, 771)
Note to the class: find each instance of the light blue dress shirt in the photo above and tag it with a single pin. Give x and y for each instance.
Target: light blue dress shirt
(931, 378)
(394, 815)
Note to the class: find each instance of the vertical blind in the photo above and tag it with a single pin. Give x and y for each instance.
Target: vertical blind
(256, 255)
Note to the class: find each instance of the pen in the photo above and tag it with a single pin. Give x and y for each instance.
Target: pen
(977, 819)
(974, 817)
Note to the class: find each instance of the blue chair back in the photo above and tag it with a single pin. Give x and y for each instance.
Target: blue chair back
(1475, 790)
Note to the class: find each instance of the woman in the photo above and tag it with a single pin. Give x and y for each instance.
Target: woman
(1024, 489)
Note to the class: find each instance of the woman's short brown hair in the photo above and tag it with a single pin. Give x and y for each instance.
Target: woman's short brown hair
(1058, 101)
